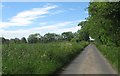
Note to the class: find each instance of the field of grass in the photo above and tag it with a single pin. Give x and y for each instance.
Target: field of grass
(112, 54)
(0, 58)
(38, 58)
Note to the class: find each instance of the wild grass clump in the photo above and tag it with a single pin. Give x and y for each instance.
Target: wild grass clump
(40, 58)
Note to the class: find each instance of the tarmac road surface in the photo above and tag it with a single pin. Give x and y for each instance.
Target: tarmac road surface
(90, 61)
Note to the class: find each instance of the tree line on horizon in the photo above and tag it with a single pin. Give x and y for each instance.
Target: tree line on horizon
(48, 37)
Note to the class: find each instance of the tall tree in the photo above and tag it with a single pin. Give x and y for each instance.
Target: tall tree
(23, 40)
(67, 36)
(103, 23)
(2, 40)
(49, 37)
(83, 32)
(34, 38)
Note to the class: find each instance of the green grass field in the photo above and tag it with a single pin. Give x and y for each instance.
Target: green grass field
(112, 54)
(38, 58)
(0, 58)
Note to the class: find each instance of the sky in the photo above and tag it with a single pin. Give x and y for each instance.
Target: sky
(20, 19)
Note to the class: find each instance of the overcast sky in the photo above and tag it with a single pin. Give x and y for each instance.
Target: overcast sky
(20, 19)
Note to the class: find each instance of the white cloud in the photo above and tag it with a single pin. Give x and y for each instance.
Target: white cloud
(42, 23)
(72, 29)
(25, 18)
(55, 28)
(57, 12)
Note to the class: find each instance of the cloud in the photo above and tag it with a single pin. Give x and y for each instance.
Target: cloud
(54, 28)
(72, 29)
(25, 18)
(42, 23)
(57, 12)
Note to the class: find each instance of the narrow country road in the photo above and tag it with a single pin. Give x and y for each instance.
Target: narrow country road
(90, 61)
